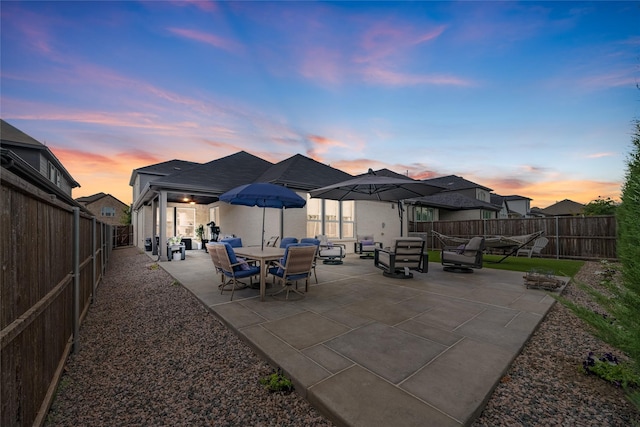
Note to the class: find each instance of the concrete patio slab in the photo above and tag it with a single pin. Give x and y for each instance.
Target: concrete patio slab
(367, 350)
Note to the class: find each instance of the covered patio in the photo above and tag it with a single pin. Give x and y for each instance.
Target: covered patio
(368, 350)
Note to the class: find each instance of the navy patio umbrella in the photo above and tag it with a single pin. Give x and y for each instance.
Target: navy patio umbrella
(264, 195)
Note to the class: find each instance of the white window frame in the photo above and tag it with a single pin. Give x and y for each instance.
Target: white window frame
(319, 223)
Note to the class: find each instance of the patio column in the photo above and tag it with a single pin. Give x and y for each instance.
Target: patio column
(154, 225)
(162, 244)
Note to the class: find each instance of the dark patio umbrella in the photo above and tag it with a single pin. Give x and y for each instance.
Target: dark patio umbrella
(376, 187)
(264, 195)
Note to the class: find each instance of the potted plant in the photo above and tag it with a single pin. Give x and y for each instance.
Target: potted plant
(199, 236)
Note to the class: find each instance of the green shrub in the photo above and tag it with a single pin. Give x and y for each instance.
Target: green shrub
(277, 382)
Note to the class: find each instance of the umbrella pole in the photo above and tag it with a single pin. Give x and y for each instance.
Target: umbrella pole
(262, 244)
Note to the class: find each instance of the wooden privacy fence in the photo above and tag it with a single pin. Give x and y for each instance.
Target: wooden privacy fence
(52, 256)
(589, 238)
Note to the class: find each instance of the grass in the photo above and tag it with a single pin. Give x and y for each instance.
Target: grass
(559, 267)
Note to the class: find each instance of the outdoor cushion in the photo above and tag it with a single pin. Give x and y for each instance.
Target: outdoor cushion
(279, 271)
(286, 241)
(235, 242)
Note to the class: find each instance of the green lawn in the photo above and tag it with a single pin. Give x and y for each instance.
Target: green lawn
(559, 267)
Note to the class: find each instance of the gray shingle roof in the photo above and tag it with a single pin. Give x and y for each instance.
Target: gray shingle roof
(302, 173)
(163, 168)
(92, 198)
(447, 200)
(564, 207)
(219, 175)
(454, 182)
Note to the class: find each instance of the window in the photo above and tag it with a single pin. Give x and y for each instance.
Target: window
(107, 211)
(487, 214)
(330, 217)
(314, 217)
(185, 222)
(423, 214)
(54, 174)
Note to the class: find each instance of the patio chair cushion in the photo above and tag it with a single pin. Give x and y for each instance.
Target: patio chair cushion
(233, 259)
(235, 242)
(279, 271)
(286, 241)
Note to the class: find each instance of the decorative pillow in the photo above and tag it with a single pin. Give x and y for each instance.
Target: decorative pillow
(460, 249)
(243, 264)
(367, 242)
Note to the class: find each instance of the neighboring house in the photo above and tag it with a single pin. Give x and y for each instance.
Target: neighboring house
(461, 199)
(518, 206)
(501, 202)
(105, 207)
(35, 163)
(565, 207)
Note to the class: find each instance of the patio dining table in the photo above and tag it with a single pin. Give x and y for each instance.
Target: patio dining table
(263, 255)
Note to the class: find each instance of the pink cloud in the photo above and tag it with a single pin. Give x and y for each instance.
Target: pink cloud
(382, 41)
(391, 78)
(616, 78)
(600, 155)
(207, 38)
(204, 5)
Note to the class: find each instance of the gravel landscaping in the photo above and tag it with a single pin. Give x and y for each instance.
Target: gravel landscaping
(152, 354)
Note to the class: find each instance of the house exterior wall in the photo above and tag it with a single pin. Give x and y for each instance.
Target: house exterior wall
(379, 219)
(40, 163)
(107, 202)
(522, 206)
(461, 215)
(482, 194)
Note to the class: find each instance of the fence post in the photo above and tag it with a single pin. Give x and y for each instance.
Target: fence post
(93, 259)
(76, 279)
(557, 238)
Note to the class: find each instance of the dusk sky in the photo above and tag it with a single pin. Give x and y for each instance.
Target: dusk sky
(530, 98)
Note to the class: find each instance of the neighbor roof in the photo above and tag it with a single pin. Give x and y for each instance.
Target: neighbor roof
(456, 201)
(95, 197)
(91, 199)
(454, 182)
(564, 207)
(10, 136)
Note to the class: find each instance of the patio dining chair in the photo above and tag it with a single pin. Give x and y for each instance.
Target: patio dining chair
(271, 243)
(295, 265)
(216, 263)
(234, 269)
(315, 242)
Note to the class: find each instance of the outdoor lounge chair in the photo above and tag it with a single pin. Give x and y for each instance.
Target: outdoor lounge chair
(329, 252)
(365, 246)
(463, 258)
(232, 268)
(295, 265)
(406, 253)
(538, 245)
